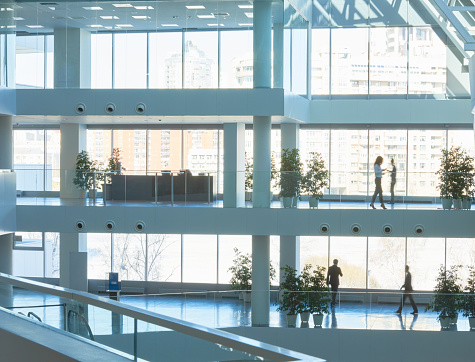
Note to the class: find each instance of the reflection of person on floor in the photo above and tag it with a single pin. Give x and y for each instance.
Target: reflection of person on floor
(408, 292)
(333, 279)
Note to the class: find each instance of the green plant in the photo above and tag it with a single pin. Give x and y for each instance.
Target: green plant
(289, 291)
(314, 296)
(467, 306)
(316, 177)
(290, 172)
(85, 169)
(456, 174)
(241, 271)
(446, 299)
(114, 164)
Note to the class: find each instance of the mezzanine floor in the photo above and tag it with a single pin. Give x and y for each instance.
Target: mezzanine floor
(228, 311)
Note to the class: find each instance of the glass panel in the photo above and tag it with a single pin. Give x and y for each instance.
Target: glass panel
(98, 255)
(165, 60)
(201, 59)
(424, 257)
(164, 257)
(99, 145)
(30, 61)
(386, 258)
(424, 161)
(29, 240)
(101, 61)
(388, 61)
(321, 61)
(463, 138)
(356, 15)
(134, 147)
(130, 60)
(275, 257)
(164, 150)
(129, 256)
(200, 150)
(29, 156)
(28, 263)
(312, 140)
(236, 62)
(227, 243)
(349, 65)
(351, 254)
(49, 61)
(427, 62)
(51, 252)
(52, 166)
(3, 60)
(349, 162)
(314, 250)
(199, 253)
(461, 252)
(390, 144)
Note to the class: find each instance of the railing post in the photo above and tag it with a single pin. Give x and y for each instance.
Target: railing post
(156, 187)
(186, 183)
(125, 188)
(135, 339)
(104, 190)
(171, 191)
(94, 186)
(209, 189)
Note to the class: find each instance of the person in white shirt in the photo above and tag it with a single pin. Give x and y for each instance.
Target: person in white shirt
(378, 173)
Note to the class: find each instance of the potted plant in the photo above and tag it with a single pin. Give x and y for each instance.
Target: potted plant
(455, 177)
(466, 169)
(84, 174)
(289, 298)
(315, 179)
(114, 167)
(468, 300)
(446, 298)
(241, 274)
(304, 307)
(320, 295)
(290, 176)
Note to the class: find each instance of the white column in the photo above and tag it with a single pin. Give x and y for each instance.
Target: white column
(290, 252)
(262, 30)
(260, 295)
(309, 60)
(72, 58)
(73, 141)
(471, 71)
(278, 50)
(262, 162)
(6, 163)
(289, 135)
(6, 142)
(73, 261)
(234, 165)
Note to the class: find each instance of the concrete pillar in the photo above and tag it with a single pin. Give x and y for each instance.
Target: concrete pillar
(73, 141)
(289, 135)
(234, 165)
(6, 251)
(6, 142)
(73, 261)
(290, 252)
(309, 60)
(260, 295)
(262, 162)
(471, 70)
(262, 46)
(278, 51)
(72, 58)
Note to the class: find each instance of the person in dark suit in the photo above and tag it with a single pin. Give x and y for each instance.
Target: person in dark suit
(393, 179)
(333, 279)
(408, 292)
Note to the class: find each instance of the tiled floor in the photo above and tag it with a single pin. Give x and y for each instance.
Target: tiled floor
(229, 312)
(56, 201)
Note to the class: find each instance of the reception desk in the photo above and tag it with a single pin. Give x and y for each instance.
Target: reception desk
(142, 188)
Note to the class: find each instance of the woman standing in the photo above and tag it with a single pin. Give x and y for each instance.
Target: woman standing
(378, 173)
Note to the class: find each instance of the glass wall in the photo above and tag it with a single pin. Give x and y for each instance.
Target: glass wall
(366, 262)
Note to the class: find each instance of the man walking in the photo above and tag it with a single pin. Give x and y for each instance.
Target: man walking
(333, 279)
(408, 292)
(393, 179)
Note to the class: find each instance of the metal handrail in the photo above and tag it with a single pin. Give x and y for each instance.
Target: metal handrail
(72, 313)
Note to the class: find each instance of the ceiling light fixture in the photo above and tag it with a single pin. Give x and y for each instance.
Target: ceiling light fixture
(18, 18)
(141, 17)
(245, 24)
(215, 24)
(169, 24)
(195, 7)
(92, 8)
(140, 7)
(249, 15)
(245, 6)
(109, 17)
(95, 26)
(211, 16)
(124, 25)
(123, 5)
(34, 26)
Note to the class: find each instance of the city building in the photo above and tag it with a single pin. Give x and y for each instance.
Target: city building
(193, 89)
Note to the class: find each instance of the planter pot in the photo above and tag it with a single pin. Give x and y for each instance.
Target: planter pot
(248, 196)
(317, 319)
(446, 203)
(304, 317)
(295, 201)
(271, 196)
(458, 204)
(453, 320)
(466, 204)
(287, 201)
(108, 191)
(82, 194)
(471, 322)
(291, 320)
(241, 295)
(92, 194)
(444, 322)
(313, 201)
(247, 297)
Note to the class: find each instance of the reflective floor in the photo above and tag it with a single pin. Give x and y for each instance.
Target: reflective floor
(56, 201)
(221, 312)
